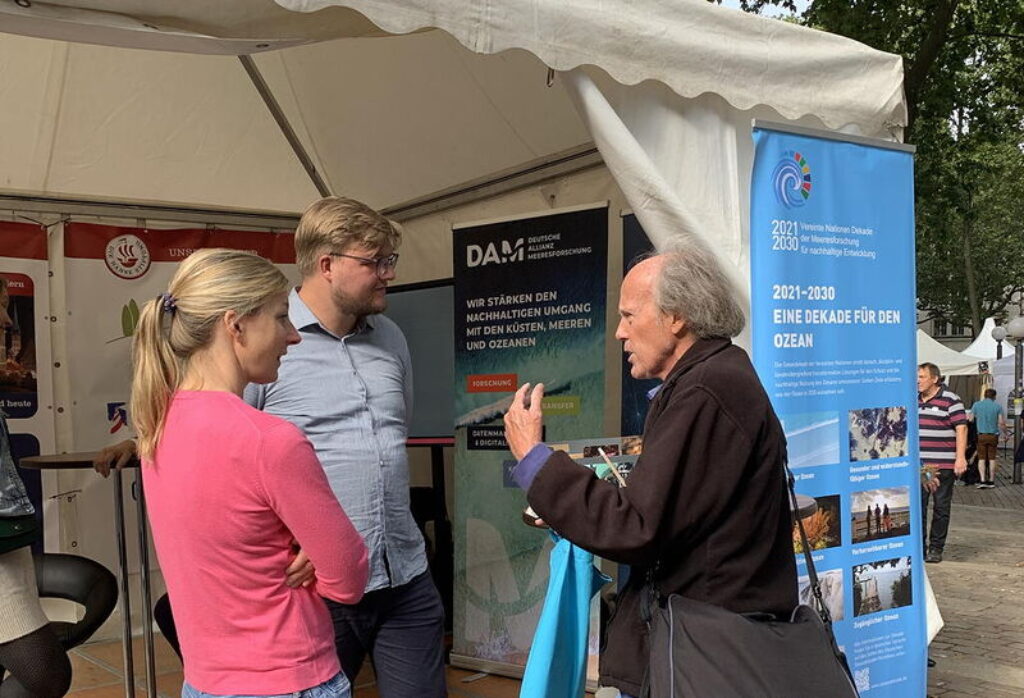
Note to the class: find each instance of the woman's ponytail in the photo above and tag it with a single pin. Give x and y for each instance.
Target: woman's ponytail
(155, 375)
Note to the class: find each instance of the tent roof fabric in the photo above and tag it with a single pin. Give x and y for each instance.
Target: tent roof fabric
(949, 361)
(984, 346)
(691, 46)
(225, 27)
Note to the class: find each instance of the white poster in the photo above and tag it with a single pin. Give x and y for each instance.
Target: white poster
(109, 273)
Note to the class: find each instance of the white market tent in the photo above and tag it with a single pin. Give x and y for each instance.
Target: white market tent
(1003, 375)
(393, 111)
(1002, 369)
(950, 361)
(440, 111)
(984, 346)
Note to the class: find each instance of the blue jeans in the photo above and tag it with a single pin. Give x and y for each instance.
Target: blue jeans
(337, 687)
(402, 629)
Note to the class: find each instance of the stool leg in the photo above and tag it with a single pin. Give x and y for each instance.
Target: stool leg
(147, 601)
(122, 575)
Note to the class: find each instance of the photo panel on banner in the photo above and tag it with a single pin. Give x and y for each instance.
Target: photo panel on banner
(833, 314)
(529, 307)
(110, 272)
(26, 375)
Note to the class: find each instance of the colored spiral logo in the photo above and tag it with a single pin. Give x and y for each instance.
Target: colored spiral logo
(791, 180)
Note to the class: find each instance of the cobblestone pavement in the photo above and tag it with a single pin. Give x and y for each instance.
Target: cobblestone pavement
(980, 591)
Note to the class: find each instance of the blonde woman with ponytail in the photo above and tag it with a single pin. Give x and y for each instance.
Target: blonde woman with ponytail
(229, 488)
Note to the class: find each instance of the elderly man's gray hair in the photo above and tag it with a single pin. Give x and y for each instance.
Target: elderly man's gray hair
(693, 286)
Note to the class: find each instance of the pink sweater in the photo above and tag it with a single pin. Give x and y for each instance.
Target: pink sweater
(228, 489)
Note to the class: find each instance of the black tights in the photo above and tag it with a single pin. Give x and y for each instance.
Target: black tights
(165, 621)
(39, 666)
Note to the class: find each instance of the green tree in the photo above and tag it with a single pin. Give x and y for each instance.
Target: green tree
(964, 84)
(970, 235)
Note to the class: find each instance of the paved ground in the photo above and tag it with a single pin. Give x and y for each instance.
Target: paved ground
(980, 591)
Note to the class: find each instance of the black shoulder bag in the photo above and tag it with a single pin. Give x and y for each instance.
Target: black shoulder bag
(700, 650)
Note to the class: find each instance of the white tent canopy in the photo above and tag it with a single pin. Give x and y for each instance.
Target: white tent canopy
(1003, 376)
(949, 361)
(666, 89)
(689, 45)
(984, 346)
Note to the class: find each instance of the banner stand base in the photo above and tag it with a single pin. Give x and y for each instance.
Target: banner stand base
(487, 666)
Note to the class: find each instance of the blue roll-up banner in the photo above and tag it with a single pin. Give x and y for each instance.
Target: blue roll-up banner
(832, 303)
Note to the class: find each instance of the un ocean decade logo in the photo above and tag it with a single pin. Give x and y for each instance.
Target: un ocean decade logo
(127, 257)
(791, 180)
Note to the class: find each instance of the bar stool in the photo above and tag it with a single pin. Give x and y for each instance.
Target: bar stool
(83, 581)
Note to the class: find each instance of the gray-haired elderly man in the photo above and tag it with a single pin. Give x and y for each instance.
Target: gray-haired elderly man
(705, 512)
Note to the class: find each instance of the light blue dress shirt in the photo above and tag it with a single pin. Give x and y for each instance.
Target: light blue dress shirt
(352, 397)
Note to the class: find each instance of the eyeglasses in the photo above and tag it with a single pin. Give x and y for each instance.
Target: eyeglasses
(383, 264)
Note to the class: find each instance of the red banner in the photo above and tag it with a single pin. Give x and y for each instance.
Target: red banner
(22, 240)
(128, 252)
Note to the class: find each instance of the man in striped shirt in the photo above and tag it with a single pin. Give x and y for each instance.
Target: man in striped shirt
(943, 434)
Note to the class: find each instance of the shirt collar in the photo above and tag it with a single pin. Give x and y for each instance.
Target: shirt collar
(654, 391)
(303, 318)
(298, 312)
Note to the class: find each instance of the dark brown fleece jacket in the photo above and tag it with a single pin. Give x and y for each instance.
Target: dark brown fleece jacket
(706, 500)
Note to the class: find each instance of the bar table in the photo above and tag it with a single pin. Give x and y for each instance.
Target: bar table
(82, 461)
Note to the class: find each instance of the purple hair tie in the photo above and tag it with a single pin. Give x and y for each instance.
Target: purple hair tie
(170, 303)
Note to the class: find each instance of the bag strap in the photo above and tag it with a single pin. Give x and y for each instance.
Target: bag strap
(812, 573)
(649, 596)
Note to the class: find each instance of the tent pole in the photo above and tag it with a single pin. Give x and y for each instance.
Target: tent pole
(282, 121)
(545, 169)
(130, 210)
